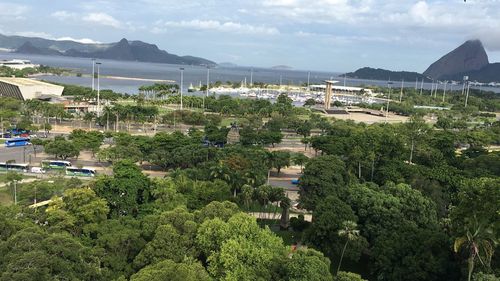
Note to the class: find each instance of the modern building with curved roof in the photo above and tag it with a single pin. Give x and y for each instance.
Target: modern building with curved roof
(27, 89)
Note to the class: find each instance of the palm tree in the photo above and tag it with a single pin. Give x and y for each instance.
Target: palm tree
(247, 194)
(350, 232)
(89, 117)
(107, 111)
(478, 243)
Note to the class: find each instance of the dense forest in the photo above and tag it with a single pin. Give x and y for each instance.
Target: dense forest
(417, 200)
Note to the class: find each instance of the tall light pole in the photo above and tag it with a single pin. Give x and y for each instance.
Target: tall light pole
(467, 94)
(444, 90)
(401, 93)
(208, 79)
(251, 77)
(388, 99)
(466, 78)
(93, 74)
(208, 83)
(182, 82)
(15, 192)
(98, 91)
(308, 79)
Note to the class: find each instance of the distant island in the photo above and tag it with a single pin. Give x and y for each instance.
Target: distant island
(282, 67)
(469, 59)
(386, 75)
(227, 64)
(123, 50)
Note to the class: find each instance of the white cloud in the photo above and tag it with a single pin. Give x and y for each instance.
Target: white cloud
(82, 40)
(102, 19)
(12, 9)
(33, 34)
(228, 26)
(318, 11)
(51, 37)
(63, 15)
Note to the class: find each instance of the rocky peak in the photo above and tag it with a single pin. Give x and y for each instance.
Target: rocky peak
(470, 56)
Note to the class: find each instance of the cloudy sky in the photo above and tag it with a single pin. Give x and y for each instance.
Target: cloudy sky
(331, 35)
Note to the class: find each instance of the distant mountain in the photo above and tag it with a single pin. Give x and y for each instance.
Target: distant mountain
(227, 64)
(15, 42)
(385, 75)
(468, 57)
(282, 67)
(122, 50)
(28, 48)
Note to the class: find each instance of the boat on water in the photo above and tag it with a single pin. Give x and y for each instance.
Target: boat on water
(18, 64)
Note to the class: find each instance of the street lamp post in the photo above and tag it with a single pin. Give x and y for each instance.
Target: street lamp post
(388, 100)
(208, 79)
(251, 77)
(444, 90)
(182, 81)
(15, 192)
(401, 93)
(208, 85)
(93, 74)
(308, 79)
(98, 91)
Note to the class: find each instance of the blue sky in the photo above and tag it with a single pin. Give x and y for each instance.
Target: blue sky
(331, 35)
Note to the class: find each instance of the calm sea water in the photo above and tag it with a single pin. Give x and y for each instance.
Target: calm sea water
(192, 74)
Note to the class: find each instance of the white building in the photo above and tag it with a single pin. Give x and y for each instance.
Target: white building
(26, 89)
(342, 89)
(18, 64)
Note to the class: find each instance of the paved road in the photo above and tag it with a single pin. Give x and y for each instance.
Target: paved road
(19, 154)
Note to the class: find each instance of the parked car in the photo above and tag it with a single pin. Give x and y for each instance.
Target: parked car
(296, 181)
(37, 170)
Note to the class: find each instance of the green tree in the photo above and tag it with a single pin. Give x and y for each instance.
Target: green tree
(188, 270)
(61, 148)
(239, 249)
(279, 159)
(323, 176)
(350, 233)
(75, 210)
(305, 265)
(478, 244)
(310, 102)
(348, 276)
(117, 242)
(300, 159)
(125, 191)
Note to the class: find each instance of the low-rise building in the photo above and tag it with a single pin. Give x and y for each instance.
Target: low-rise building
(27, 89)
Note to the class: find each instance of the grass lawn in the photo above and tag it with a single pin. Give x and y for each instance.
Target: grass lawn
(226, 121)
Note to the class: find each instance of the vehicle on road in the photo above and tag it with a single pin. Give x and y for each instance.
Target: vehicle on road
(296, 181)
(55, 164)
(17, 142)
(80, 172)
(37, 170)
(15, 167)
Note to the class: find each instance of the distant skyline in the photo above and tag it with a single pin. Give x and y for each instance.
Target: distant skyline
(322, 35)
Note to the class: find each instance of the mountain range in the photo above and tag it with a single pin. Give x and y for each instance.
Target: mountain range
(469, 59)
(123, 50)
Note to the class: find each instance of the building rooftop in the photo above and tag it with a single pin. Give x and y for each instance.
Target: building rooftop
(25, 82)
